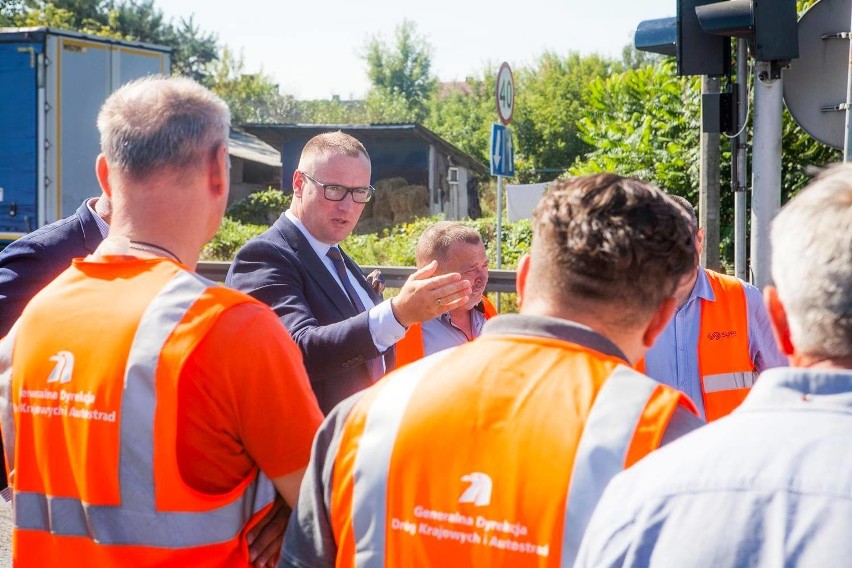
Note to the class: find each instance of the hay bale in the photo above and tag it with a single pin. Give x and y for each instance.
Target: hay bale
(409, 202)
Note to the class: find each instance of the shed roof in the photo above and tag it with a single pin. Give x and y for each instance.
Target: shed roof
(277, 134)
(243, 145)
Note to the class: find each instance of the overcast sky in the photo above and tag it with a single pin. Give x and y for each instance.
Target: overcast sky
(311, 48)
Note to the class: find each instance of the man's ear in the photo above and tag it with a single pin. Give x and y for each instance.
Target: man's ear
(220, 170)
(521, 278)
(699, 240)
(662, 315)
(102, 173)
(778, 319)
(298, 183)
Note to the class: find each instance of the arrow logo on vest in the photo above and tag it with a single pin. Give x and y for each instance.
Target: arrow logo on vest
(479, 492)
(61, 373)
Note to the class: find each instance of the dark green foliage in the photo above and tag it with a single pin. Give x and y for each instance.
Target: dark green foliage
(549, 105)
(231, 237)
(260, 208)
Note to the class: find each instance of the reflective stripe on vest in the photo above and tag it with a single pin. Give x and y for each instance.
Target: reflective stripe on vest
(724, 363)
(137, 521)
(728, 381)
(603, 450)
(602, 453)
(7, 416)
(372, 461)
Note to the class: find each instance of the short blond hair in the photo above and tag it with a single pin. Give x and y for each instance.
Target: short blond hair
(323, 146)
(436, 240)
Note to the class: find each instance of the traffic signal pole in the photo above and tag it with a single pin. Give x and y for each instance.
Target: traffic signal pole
(709, 184)
(766, 165)
(741, 169)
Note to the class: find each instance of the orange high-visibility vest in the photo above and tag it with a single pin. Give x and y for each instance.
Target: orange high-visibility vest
(467, 459)
(725, 367)
(724, 363)
(410, 348)
(92, 437)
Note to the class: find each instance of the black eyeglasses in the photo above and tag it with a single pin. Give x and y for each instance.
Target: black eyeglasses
(338, 192)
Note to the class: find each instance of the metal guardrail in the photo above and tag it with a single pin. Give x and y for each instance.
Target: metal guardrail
(395, 276)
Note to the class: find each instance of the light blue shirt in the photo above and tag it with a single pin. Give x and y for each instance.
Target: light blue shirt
(384, 328)
(769, 485)
(673, 360)
(439, 333)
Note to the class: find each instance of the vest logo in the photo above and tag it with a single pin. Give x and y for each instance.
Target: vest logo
(717, 335)
(479, 491)
(61, 373)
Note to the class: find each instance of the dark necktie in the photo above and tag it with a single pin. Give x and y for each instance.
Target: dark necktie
(375, 365)
(337, 260)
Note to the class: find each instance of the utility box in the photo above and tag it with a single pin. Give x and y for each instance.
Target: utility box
(52, 85)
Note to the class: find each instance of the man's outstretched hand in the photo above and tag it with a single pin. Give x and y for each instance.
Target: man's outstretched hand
(424, 296)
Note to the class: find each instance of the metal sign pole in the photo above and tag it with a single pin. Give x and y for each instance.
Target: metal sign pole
(499, 222)
(499, 231)
(766, 156)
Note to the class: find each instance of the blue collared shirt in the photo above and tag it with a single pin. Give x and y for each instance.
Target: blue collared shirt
(673, 360)
(439, 333)
(384, 328)
(768, 485)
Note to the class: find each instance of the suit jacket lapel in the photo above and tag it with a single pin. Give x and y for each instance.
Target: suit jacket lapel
(314, 266)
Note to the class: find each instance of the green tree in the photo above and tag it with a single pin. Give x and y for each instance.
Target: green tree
(645, 123)
(549, 102)
(401, 74)
(140, 20)
(251, 97)
(331, 111)
(462, 113)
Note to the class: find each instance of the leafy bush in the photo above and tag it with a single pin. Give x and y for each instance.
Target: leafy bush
(260, 207)
(232, 235)
(395, 246)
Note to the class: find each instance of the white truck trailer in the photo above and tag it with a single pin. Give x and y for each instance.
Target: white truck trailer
(52, 84)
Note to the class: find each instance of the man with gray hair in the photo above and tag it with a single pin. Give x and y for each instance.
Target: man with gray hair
(141, 403)
(771, 484)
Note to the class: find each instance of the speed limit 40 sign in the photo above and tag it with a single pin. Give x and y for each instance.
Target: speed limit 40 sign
(505, 93)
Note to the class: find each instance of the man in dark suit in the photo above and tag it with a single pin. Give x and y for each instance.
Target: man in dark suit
(31, 262)
(344, 329)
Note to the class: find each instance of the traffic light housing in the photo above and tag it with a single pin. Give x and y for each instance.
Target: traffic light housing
(771, 26)
(699, 52)
(699, 36)
(657, 36)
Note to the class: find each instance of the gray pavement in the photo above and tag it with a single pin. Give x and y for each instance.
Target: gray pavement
(5, 534)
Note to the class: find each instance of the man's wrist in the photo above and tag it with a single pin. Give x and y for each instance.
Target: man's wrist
(396, 313)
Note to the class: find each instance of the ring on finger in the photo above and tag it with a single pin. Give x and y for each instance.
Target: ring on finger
(440, 301)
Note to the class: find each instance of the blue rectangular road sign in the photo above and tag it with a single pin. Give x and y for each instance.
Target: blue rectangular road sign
(502, 151)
